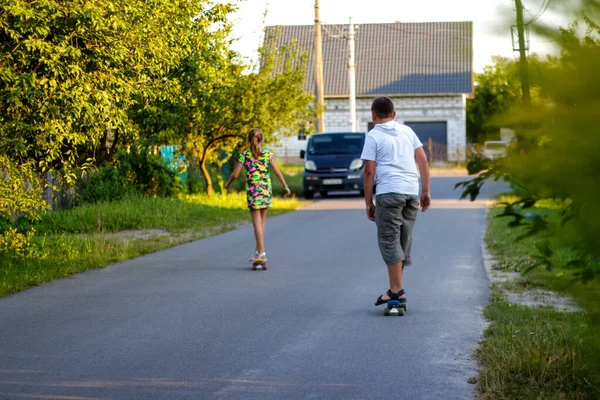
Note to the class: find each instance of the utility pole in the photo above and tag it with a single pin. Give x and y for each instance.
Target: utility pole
(352, 77)
(523, 54)
(318, 55)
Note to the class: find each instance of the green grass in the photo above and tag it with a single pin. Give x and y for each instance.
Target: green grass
(536, 353)
(293, 177)
(540, 353)
(76, 240)
(518, 254)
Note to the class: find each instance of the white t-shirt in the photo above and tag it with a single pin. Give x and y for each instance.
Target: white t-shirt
(392, 146)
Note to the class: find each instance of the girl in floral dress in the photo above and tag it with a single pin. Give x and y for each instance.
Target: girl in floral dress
(258, 163)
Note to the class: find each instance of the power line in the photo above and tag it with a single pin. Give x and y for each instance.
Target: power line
(415, 32)
(332, 35)
(456, 36)
(541, 12)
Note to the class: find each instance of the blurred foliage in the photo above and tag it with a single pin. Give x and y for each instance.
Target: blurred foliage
(20, 191)
(558, 151)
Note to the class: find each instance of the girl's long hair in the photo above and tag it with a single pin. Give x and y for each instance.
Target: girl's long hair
(255, 137)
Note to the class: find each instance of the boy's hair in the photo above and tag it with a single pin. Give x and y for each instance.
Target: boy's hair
(382, 107)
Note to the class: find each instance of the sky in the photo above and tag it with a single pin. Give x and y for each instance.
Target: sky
(491, 20)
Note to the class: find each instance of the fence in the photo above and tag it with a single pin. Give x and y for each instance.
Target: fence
(437, 153)
(57, 193)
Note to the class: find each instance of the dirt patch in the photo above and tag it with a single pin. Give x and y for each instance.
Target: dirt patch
(528, 296)
(136, 234)
(164, 235)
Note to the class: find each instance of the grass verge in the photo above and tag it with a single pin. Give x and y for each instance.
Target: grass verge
(538, 352)
(292, 174)
(92, 236)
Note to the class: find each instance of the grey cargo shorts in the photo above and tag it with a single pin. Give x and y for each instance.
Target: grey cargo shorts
(395, 215)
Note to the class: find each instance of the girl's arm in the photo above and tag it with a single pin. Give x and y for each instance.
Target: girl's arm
(234, 175)
(280, 176)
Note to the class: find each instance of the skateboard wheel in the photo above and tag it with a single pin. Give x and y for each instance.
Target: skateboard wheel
(394, 311)
(264, 267)
(253, 267)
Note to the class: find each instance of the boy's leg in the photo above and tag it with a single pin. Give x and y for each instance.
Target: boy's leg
(388, 216)
(409, 216)
(258, 230)
(395, 275)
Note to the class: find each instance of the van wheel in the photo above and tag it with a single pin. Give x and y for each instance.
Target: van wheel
(362, 193)
(323, 193)
(308, 195)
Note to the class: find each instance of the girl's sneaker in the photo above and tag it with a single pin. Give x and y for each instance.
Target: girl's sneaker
(262, 256)
(254, 257)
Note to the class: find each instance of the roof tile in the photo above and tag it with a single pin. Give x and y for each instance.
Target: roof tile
(391, 59)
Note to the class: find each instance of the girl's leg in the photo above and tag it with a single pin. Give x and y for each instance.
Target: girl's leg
(263, 220)
(263, 216)
(258, 230)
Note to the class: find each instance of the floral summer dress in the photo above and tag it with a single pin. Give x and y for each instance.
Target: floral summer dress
(258, 179)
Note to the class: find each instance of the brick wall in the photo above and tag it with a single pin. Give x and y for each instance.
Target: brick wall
(451, 109)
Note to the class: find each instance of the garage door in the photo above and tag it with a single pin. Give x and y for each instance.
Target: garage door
(437, 131)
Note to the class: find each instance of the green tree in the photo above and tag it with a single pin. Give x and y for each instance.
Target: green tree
(70, 72)
(496, 89)
(222, 101)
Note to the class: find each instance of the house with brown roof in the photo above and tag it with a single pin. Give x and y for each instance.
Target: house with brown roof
(425, 68)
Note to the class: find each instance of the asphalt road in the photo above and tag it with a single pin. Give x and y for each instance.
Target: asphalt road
(193, 322)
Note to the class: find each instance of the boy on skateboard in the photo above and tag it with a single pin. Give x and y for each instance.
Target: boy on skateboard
(391, 154)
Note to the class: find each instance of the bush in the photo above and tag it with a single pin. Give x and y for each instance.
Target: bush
(14, 243)
(149, 174)
(105, 184)
(137, 172)
(195, 180)
(20, 191)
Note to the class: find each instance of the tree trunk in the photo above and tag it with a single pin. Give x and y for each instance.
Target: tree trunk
(102, 149)
(209, 185)
(115, 144)
(205, 153)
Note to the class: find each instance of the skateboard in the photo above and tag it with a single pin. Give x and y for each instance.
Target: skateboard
(395, 308)
(259, 264)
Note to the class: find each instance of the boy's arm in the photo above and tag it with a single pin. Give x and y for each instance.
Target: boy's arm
(421, 158)
(234, 175)
(369, 177)
(369, 155)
